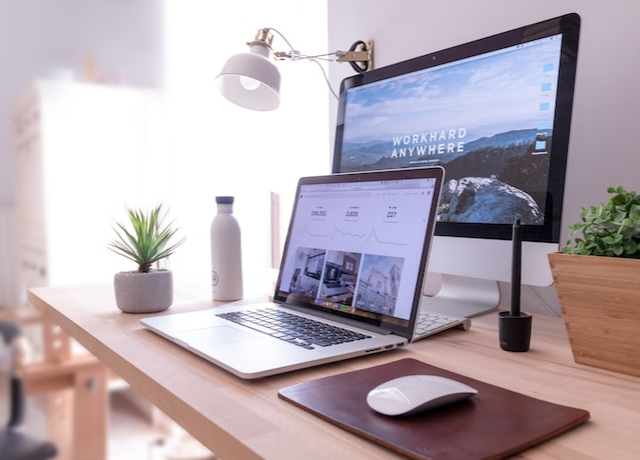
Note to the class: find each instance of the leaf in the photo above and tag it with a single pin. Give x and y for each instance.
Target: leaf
(634, 213)
(147, 241)
(631, 247)
(618, 249)
(618, 216)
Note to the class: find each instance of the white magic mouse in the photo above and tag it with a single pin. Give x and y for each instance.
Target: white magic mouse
(416, 393)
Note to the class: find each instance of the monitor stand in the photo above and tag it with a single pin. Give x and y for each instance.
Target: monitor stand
(461, 296)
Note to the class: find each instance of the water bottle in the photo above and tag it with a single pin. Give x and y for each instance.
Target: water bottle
(226, 253)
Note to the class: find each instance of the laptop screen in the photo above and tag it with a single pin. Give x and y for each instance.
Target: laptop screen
(358, 245)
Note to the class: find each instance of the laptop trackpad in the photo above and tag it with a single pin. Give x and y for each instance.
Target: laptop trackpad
(216, 336)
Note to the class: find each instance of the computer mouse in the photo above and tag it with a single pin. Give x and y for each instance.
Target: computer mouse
(411, 394)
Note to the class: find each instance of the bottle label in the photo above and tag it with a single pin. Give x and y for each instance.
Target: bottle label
(215, 279)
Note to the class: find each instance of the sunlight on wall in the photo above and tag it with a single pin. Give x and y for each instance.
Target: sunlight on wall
(218, 148)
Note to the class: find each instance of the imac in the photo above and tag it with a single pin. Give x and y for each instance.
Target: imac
(496, 114)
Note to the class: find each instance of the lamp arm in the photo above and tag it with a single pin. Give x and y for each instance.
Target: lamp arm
(359, 55)
(282, 36)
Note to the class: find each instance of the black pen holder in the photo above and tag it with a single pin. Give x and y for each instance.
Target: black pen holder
(515, 331)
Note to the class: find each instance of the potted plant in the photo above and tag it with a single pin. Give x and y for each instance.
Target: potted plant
(597, 277)
(146, 289)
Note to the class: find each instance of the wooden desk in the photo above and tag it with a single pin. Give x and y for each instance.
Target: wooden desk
(246, 420)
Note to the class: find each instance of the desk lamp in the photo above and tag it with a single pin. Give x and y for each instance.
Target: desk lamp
(252, 80)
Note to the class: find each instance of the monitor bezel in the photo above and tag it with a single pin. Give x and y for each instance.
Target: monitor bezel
(569, 26)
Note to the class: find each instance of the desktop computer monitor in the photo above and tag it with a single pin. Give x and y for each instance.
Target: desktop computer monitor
(496, 114)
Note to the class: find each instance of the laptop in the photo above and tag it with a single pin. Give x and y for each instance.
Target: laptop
(349, 284)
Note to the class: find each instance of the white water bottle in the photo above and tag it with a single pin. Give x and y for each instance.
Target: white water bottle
(226, 253)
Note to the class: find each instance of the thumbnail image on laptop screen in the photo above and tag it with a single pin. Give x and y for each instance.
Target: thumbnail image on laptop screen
(357, 247)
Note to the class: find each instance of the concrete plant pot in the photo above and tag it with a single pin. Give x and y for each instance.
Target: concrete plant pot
(143, 292)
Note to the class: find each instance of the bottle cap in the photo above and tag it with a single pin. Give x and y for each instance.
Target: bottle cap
(224, 199)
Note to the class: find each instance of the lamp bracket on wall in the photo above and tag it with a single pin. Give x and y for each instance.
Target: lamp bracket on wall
(360, 53)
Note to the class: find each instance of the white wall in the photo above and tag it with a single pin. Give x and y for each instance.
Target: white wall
(39, 38)
(606, 116)
(215, 147)
(221, 149)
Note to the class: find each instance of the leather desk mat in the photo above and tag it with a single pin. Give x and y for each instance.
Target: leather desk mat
(493, 424)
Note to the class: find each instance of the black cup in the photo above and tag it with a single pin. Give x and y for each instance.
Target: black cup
(515, 331)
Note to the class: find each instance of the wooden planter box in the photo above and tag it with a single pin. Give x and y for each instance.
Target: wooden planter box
(600, 301)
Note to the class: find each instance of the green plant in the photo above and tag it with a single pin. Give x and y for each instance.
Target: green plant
(610, 229)
(148, 241)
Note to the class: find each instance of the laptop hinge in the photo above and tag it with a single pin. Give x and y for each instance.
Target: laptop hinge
(346, 321)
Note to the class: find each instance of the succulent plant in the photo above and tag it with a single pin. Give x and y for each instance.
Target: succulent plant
(148, 240)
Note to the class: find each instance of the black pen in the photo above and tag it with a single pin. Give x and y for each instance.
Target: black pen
(516, 268)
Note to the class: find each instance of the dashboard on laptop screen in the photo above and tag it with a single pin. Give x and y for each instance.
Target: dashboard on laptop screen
(357, 247)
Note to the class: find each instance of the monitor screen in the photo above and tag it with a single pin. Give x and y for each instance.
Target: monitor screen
(495, 113)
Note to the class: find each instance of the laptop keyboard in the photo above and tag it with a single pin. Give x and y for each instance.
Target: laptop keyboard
(430, 323)
(298, 330)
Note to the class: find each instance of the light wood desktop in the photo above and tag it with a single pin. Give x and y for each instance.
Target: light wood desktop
(246, 420)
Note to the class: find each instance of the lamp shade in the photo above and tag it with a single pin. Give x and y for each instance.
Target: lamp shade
(251, 80)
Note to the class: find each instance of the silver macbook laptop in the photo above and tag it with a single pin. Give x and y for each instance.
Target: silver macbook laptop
(350, 280)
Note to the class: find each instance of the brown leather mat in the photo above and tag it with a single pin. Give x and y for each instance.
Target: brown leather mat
(496, 423)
